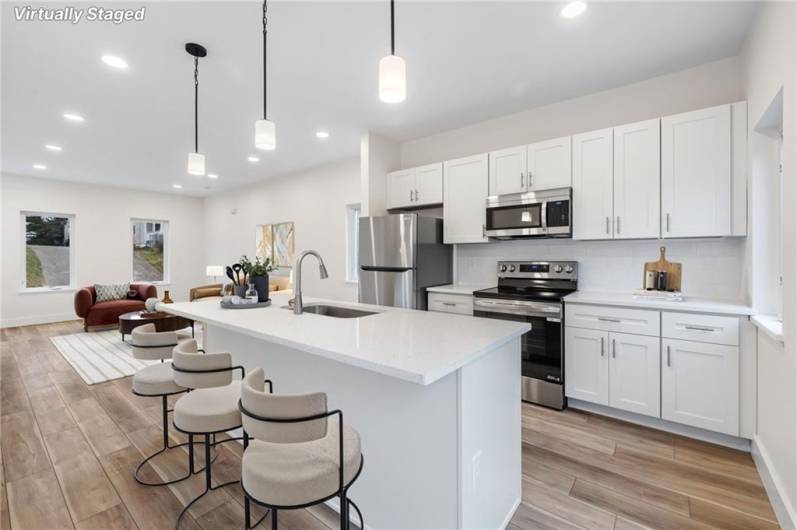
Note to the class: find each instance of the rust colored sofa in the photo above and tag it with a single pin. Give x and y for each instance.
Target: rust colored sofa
(108, 312)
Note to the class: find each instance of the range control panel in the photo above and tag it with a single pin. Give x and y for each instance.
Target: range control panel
(538, 269)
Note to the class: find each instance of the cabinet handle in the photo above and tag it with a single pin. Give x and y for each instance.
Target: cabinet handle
(522, 180)
(607, 319)
(668, 223)
(531, 179)
(614, 348)
(602, 348)
(607, 224)
(416, 195)
(484, 231)
(410, 195)
(699, 328)
(450, 304)
(668, 356)
(618, 224)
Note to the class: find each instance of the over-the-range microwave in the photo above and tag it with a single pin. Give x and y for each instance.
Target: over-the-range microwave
(544, 213)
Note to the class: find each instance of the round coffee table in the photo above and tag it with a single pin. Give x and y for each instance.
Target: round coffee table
(163, 322)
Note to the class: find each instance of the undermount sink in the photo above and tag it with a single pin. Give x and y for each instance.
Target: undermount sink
(335, 311)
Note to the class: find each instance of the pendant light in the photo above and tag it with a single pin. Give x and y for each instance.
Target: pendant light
(392, 69)
(196, 160)
(265, 130)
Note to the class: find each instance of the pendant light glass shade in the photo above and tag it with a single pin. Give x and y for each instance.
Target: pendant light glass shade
(392, 79)
(265, 135)
(196, 163)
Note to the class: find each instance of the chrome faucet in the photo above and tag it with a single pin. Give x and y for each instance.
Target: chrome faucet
(296, 303)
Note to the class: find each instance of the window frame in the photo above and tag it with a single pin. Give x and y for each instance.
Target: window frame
(23, 282)
(167, 261)
(353, 212)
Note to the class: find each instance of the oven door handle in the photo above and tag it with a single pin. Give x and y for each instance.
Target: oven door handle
(520, 308)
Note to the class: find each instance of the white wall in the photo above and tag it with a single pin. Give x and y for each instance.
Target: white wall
(102, 240)
(378, 155)
(315, 200)
(769, 60)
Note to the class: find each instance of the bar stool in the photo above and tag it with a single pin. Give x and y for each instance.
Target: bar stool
(299, 456)
(212, 405)
(156, 380)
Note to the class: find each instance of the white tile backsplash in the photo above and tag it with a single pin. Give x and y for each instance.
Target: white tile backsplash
(712, 268)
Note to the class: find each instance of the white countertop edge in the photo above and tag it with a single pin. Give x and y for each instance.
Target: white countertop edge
(458, 288)
(770, 325)
(412, 377)
(688, 305)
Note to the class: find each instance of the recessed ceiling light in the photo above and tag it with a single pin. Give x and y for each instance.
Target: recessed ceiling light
(212, 176)
(71, 116)
(51, 147)
(177, 186)
(253, 159)
(41, 167)
(322, 134)
(114, 61)
(573, 9)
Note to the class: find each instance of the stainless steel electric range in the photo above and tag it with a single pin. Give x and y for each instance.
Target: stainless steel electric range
(532, 291)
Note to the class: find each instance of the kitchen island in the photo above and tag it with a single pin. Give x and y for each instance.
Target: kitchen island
(435, 397)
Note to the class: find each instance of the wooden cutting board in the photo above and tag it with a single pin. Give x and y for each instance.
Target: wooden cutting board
(673, 271)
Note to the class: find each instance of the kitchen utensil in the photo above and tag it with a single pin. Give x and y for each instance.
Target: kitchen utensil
(673, 271)
(237, 270)
(229, 272)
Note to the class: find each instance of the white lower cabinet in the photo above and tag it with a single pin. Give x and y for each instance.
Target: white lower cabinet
(700, 385)
(587, 365)
(634, 373)
(460, 304)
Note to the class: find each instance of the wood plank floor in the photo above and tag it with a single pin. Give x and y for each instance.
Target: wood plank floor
(67, 451)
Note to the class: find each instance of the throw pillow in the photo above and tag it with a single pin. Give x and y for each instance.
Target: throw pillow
(111, 292)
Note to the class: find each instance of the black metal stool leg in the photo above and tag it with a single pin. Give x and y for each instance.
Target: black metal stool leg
(274, 519)
(359, 513)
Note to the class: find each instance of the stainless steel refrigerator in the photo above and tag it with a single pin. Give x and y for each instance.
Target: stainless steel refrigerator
(400, 256)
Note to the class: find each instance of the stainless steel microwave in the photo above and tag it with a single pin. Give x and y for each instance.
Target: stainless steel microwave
(546, 213)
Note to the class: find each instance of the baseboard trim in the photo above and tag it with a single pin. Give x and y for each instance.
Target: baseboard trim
(778, 497)
(37, 319)
(511, 514)
(734, 442)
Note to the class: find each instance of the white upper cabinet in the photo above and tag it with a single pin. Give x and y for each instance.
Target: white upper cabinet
(414, 187)
(429, 184)
(549, 165)
(465, 186)
(508, 171)
(593, 159)
(696, 178)
(636, 180)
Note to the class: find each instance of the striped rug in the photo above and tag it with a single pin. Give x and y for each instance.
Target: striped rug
(99, 356)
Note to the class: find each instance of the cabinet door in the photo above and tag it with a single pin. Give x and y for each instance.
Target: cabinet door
(636, 180)
(587, 365)
(401, 188)
(634, 373)
(464, 199)
(429, 184)
(700, 385)
(549, 164)
(593, 185)
(696, 173)
(508, 171)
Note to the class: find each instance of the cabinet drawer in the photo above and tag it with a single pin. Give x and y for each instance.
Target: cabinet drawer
(700, 328)
(451, 303)
(617, 319)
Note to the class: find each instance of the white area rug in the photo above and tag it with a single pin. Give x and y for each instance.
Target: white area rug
(99, 356)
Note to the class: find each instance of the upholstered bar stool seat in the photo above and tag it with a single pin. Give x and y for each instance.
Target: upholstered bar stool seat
(299, 473)
(209, 409)
(156, 380)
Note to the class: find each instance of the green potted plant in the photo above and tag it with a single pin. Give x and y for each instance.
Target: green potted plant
(257, 273)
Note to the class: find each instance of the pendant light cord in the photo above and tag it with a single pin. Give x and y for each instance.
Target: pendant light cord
(265, 76)
(196, 104)
(392, 30)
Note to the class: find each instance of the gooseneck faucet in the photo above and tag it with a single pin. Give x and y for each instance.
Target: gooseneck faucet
(296, 303)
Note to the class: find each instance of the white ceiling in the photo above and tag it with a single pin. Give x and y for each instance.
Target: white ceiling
(466, 62)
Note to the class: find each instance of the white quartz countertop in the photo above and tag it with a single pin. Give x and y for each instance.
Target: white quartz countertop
(416, 346)
(458, 288)
(689, 304)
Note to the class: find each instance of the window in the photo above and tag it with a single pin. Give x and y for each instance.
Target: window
(48, 252)
(352, 242)
(150, 252)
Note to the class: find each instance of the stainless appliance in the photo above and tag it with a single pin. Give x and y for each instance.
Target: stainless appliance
(530, 214)
(532, 291)
(400, 256)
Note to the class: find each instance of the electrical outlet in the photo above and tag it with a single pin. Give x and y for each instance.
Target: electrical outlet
(476, 465)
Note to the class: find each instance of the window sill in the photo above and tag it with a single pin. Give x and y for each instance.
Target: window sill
(40, 290)
(770, 325)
